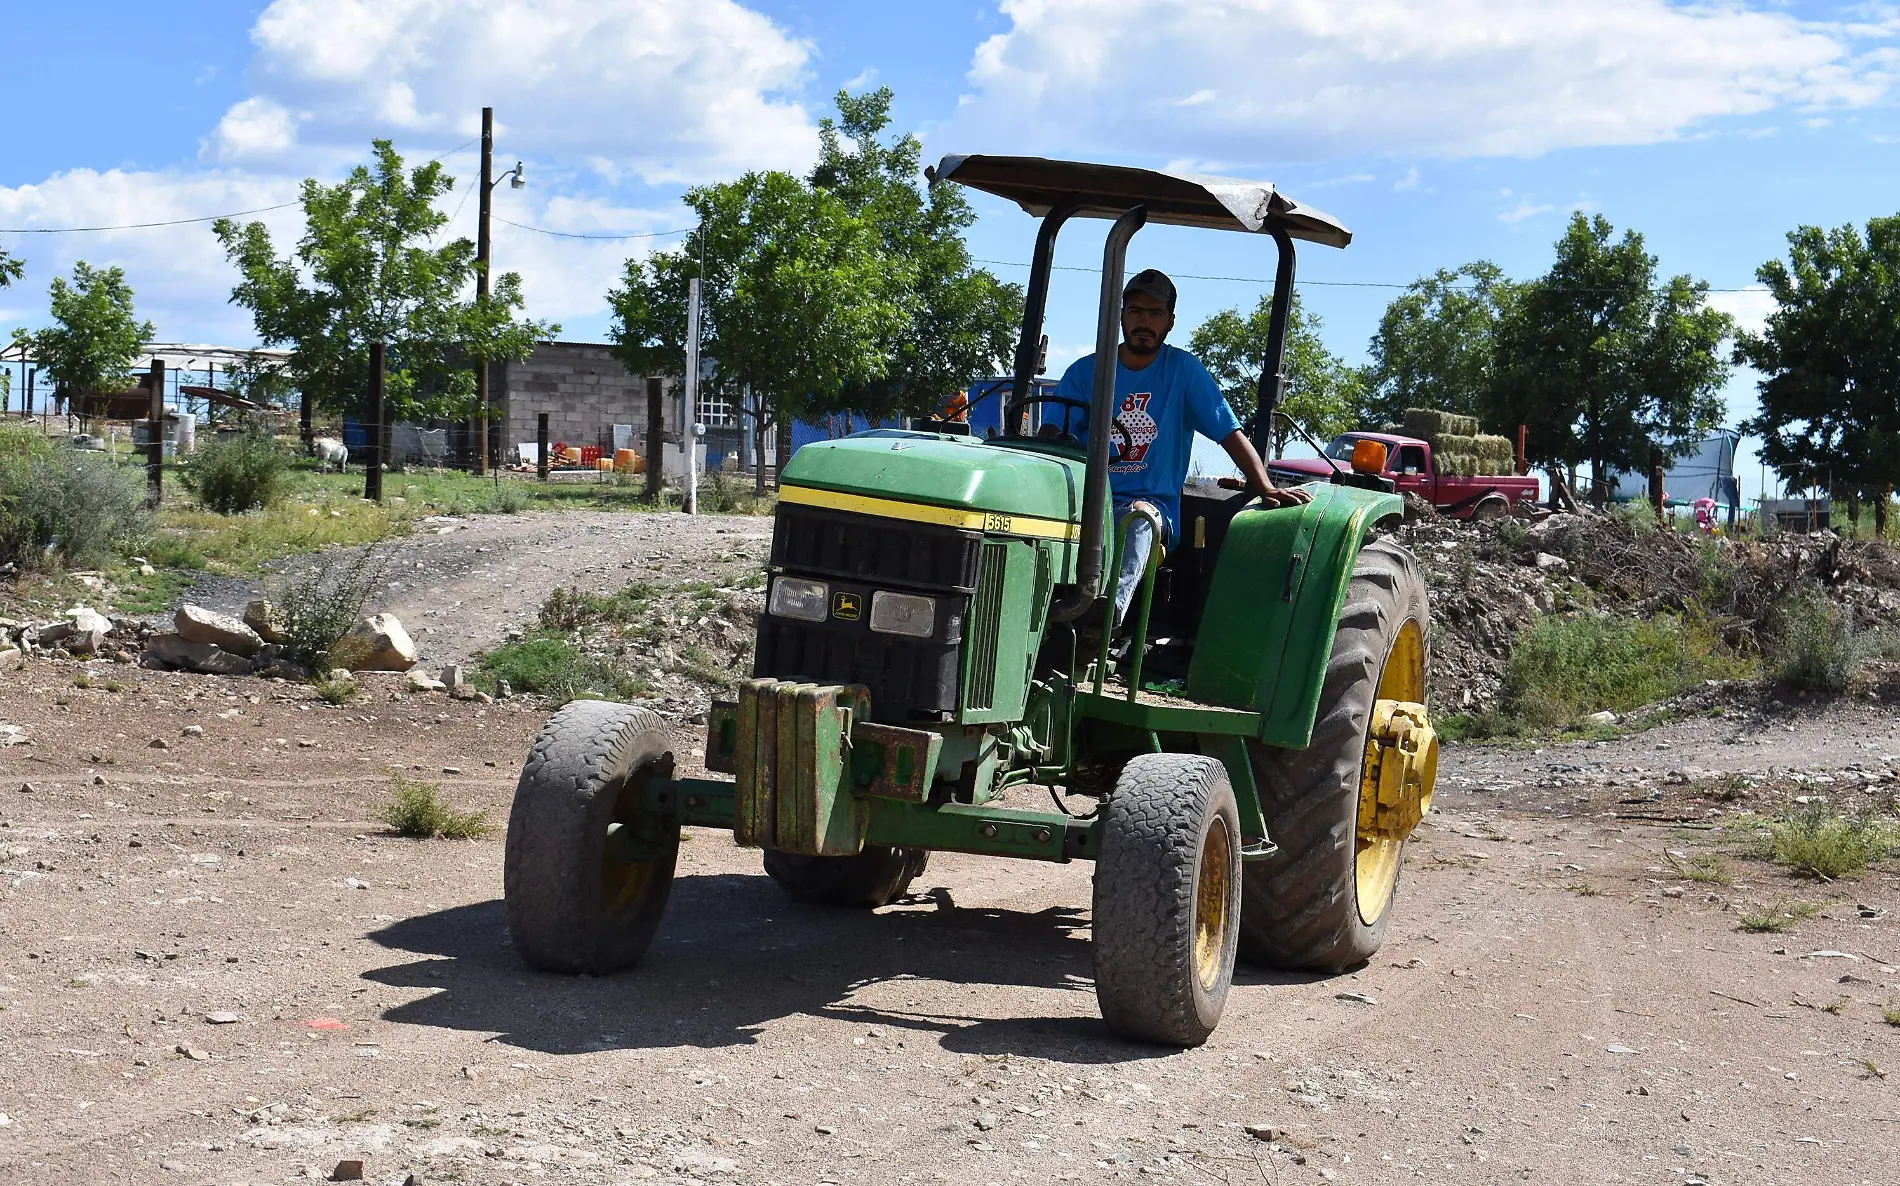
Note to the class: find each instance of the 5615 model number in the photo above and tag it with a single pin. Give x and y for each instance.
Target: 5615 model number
(996, 523)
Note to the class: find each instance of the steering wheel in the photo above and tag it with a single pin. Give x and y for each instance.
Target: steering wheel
(1061, 436)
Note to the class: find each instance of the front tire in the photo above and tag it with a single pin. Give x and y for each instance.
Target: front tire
(587, 874)
(1322, 902)
(1167, 899)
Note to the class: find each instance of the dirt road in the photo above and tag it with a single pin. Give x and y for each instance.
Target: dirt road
(460, 584)
(219, 969)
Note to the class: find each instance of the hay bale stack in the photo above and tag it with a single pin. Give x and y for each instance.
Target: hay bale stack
(1429, 424)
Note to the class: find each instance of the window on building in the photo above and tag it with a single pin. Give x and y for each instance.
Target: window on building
(718, 413)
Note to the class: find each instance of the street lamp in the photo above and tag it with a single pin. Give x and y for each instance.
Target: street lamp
(516, 179)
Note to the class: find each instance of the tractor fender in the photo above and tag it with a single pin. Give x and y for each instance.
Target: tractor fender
(1274, 604)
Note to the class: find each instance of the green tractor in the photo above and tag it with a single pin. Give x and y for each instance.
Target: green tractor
(1256, 760)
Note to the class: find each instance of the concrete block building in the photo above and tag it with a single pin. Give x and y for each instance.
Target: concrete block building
(586, 391)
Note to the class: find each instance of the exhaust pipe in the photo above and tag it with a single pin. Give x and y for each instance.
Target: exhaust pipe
(1088, 576)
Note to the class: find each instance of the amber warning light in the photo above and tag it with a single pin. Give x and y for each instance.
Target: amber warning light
(1368, 457)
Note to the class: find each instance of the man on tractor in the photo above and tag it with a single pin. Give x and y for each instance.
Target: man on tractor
(1163, 396)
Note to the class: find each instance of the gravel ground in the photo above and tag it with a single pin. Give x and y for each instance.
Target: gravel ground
(1553, 1002)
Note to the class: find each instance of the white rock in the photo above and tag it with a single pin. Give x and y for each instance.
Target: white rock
(1554, 564)
(195, 624)
(178, 651)
(377, 643)
(1606, 717)
(419, 681)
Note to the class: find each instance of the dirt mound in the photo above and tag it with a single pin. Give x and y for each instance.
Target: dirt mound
(1491, 580)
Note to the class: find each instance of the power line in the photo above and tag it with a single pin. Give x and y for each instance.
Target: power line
(139, 226)
(577, 235)
(1010, 263)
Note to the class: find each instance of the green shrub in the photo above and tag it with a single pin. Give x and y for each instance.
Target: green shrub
(247, 472)
(322, 599)
(509, 499)
(1563, 669)
(1823, 845)
(552, 667)
(418, 810)
(1815, 646)
(61, 505)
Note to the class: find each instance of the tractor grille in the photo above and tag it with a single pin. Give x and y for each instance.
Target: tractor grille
(910, 679)
(867, 548)
(986, 619)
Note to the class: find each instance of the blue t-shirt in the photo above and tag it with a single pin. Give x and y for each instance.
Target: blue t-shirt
(1158, 409)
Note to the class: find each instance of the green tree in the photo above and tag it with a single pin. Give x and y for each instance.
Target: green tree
(1830, 357)
(1604, 364)
(1322, 391)
(95, 335)
(798, 297)
(11, 269)
(958, 320)
(1436, 344)
(368, 269)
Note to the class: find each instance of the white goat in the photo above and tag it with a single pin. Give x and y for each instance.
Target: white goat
(330, 449)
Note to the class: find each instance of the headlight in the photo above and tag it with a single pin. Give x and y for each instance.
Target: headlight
(904, 613)
(794, 597)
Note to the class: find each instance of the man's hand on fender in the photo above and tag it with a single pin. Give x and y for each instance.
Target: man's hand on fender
(1272, 496)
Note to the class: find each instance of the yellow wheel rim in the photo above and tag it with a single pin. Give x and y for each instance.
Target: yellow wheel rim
(1211, 904)
(623, 883)
(1376, 862)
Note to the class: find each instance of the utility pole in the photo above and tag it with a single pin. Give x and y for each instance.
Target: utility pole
(689, 413)
(373, 468)
(481, 286)
(155, 436)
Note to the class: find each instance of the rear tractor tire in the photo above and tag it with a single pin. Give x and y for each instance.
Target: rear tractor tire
(1167, 899)
(1322, 902)
(878, 876)
(587, 873)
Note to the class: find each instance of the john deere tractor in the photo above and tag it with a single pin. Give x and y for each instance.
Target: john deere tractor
(930, 666)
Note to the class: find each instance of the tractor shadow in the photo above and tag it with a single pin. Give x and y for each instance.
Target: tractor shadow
(734, 954)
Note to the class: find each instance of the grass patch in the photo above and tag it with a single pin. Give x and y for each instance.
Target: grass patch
(82, 680)
(1584, 889)
(1779, 918)
(334, 691)
(1708, 869)
(1891, 1017)
(552, 667)
(243, 543)
(418, 810)
(1564, 669)
(1828, 847)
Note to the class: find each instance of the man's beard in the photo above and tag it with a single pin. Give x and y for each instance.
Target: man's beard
(1137, 347)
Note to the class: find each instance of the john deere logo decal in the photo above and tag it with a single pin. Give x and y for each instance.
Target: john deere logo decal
(847, 606)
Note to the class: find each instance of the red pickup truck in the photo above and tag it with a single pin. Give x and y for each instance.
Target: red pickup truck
(1409, 465)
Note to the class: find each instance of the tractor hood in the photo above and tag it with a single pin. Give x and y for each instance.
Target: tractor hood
(942, 470)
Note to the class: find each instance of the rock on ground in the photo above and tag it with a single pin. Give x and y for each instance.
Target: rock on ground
(377, 643)
(195, 624)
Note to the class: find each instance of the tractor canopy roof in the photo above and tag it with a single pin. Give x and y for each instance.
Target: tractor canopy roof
(1105, 191)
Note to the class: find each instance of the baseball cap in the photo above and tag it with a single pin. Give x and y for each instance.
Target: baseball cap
(1153, 282)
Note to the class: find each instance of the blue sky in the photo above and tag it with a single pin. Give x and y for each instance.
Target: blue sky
(1440, 132)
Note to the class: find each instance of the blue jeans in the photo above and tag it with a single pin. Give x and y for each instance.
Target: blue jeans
(1134, 553)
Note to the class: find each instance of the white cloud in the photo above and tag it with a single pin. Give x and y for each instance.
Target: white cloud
(1750, 307)
(1258, 80)
(1409, 181)
(178, 273)
(671, 90)
(611, 103)
(254, 128)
